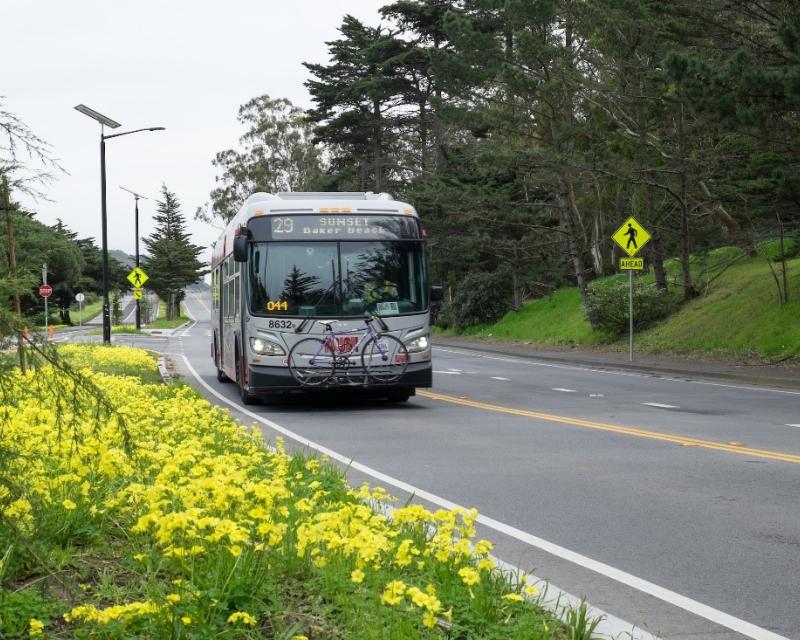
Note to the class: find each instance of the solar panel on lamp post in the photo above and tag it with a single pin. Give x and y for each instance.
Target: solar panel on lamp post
(105, 121)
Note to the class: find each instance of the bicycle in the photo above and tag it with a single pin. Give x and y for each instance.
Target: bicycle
(314, 361)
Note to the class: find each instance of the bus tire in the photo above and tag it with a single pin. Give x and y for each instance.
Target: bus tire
(245, 396)
(398, 396)
(221, 377)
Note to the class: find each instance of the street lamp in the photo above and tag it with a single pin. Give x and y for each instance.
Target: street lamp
(106, 122)
(136, 197)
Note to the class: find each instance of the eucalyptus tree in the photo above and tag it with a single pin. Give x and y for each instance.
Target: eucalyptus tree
(275, 154)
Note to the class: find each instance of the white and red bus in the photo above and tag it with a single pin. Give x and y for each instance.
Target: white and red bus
(287, 260)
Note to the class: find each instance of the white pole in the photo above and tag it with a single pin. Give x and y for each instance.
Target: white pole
(80, 313)
(630, 314)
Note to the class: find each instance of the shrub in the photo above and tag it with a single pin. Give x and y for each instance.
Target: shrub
(480, 298)
(608, 304)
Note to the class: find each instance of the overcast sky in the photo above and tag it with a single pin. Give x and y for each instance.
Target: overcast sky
(183, 65)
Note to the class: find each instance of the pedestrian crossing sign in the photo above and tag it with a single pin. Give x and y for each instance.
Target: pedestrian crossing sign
(138, 277)
(631, 236)
(137, 293)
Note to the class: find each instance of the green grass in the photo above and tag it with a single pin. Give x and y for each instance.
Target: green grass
(738, 314)
(162, 323)
(555, 321)
(90, 311)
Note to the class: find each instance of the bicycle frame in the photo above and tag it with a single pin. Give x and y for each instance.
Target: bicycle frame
(330, 343)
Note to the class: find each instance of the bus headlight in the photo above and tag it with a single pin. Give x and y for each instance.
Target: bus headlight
(418, 344)
(266, 347)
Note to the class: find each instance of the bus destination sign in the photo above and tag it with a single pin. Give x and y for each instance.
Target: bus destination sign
(343, 227)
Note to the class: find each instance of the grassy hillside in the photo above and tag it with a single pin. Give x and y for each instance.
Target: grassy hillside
(738, 315)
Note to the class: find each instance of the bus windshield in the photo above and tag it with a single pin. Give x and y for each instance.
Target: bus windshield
(338, 279)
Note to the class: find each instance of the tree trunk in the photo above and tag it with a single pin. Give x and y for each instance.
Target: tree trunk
(5, 198)
(423, 135)
(575, 254)
(688, 287)
(377, 146)
(657, 256)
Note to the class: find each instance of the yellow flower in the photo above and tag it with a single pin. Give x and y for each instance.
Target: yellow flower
(514, 597)
(469, 576)
(531, 590)
(69, 505)
(243, 617)
(483, 547)
(299, 637)
(172, 598)
(235, 550)
(393, 593)
(486, 564)
(186, 620)
(429, 619)
(357, 576)
(35, 628)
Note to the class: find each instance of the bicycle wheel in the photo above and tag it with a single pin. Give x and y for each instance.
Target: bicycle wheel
(385, 359)
(310, 362)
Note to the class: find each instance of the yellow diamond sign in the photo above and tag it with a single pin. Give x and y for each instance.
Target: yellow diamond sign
(137, 293)
(631, 236)
(138, 277)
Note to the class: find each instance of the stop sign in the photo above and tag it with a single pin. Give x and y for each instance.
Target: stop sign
(45, 290)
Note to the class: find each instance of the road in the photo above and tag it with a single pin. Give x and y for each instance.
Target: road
(671, 504)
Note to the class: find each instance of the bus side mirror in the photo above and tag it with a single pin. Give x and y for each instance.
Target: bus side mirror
(437, 294)
(240, 248)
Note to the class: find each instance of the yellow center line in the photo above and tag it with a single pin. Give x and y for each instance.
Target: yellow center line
(613, 428)
(200, 300)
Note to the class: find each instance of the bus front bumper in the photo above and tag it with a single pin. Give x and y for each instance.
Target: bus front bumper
(269, 380)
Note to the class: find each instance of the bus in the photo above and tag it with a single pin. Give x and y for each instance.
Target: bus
(288, 263)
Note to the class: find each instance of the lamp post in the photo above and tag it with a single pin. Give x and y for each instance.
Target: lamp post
(106, 122)
(136, 198)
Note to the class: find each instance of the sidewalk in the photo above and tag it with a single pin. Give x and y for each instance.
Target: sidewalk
(779, 375)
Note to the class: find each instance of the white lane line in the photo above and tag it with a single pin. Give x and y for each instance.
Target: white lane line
(455, 370)
(793, 425)
(563, 390)
(683, 602)
(659, 405)
(449, 373)
(501, 378)
(613, 372)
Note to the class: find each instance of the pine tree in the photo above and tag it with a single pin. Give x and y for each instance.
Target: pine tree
(172, 260)
(356, 97)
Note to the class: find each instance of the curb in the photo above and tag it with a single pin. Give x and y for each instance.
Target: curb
(162, 370)
(790, 381)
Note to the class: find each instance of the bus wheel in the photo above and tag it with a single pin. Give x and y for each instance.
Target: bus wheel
(221, 377)
(245, 396)
(398, 396)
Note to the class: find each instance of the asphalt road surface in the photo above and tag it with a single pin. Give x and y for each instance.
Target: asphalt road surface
(672, 504)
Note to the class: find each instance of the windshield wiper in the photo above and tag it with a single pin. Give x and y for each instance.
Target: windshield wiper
(320, 300)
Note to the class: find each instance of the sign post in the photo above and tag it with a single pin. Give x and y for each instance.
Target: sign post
(45, 290)
(44, 282)
(80, 298)
(631, 237)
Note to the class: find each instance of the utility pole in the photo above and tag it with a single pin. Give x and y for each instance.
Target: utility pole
(12, 261)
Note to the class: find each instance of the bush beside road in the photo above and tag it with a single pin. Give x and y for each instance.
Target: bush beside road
(739, 316)
(134, 509)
